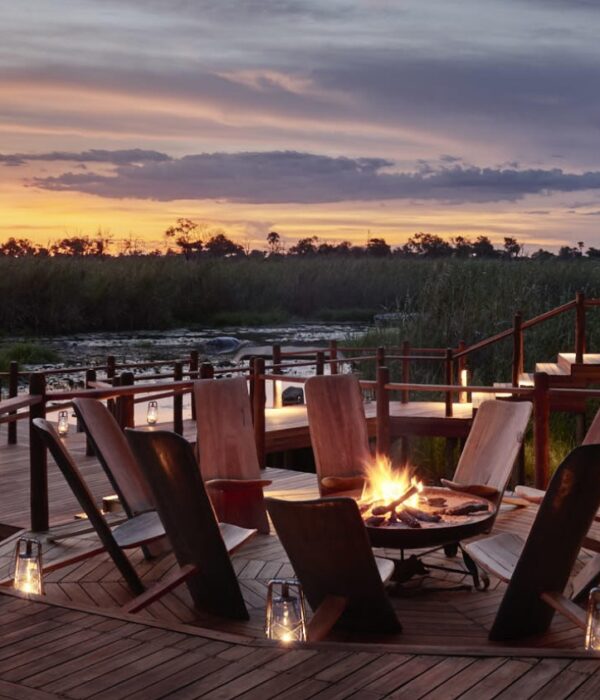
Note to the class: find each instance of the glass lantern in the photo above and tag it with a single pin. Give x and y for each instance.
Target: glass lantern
(28, 566)
(592, 633)
(285, 616)
(63, 423)
(152, 412)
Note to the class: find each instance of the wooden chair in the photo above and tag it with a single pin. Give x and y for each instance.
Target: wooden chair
(115, 455)
(200, 544)
(338, 431)
(491, 449)
(134, 532)
(227, 452)
(537, 570)
(328, 547)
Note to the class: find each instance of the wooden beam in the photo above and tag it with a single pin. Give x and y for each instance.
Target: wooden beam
(325, 617)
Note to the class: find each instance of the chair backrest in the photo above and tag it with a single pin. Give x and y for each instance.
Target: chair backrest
(338, 427)
(115, 455)
(82, 493)
(328, 547)
(226, 444)
(493, 444)
(545, 564)
(592, 437)
(171, 470)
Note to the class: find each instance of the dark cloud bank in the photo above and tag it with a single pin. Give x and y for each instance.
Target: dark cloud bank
(293, 177)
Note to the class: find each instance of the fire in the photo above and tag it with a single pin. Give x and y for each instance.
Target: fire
(385, 485)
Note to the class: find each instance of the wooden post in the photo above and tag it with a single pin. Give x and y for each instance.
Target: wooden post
(405, 352)
(38, 458)
(579, 327)
(449, 375)
(90, 376)
(333, 354)
(207, 371)
(258, 409)
(541, 397)
(178, 400)
(320, 367)
(383, 428)
(380, 356)
(125, 404)
(517, 361)
(193, 375)
(111, 373)
(13, 390)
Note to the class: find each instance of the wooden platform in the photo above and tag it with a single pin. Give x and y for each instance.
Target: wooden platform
(431, 618)
(63, 651)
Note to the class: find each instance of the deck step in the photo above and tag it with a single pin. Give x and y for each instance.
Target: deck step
(567, 359)
(552, 368)
(526, 379)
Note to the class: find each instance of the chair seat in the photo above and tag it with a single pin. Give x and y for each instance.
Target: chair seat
(138, 530)
(385, 568)
(498, 555)
(235, 536)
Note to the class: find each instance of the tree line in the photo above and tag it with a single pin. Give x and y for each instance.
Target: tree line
(193, 240)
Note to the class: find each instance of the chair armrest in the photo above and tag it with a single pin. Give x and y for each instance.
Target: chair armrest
(530, 494)
(237, 484)
(474, 489)
(343, 483)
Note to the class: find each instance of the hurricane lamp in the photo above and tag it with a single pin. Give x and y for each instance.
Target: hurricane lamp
(592, 633)
(152, 412)
(63, 423)
(285, 615)
(28, 566)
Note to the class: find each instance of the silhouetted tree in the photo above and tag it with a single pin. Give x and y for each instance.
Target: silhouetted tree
(19, 248)
(426, 245)
(378, 248)
(185, 235)
(219, 246)
(512, 248)
(305, 246)
(542, 254)
(483, 248)
(274, 243)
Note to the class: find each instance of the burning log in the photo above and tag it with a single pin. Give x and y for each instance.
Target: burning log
(435, 501)
(407, 518)
(375, 520)
(392, 505)
(467, 508)
(422, 515)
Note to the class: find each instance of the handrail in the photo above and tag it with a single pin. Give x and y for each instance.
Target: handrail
(457, 389)
(549, 314)
(18, 402)
(484, 343)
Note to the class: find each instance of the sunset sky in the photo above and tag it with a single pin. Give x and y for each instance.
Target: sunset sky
(308, 117)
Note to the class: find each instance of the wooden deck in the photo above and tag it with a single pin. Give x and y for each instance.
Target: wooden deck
(63, 651)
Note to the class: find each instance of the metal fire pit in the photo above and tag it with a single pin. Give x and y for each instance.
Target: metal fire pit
(449, 530)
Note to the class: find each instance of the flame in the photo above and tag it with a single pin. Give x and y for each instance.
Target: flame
(385, 484)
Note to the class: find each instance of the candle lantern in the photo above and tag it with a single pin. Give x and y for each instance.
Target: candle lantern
(592, 634)
(28, 566)
(152, 412)
(63, 423)
(285, 616)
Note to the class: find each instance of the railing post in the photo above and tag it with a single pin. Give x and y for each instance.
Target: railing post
(90, 376)
(383, 428)
(193, 375)
(125, 404)
(258, 406)
(541, 399)
(207, 371)
(38, 457)
(320, 365)
(405, 352)
(579, 327)
(517, 362)
(380, 356)
(449, 378)
(111, 373)
(178, 400)
(13, 390)
(333, 354)
(277, 397)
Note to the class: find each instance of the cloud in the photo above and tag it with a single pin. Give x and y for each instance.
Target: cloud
(293, 177)
(94, 155)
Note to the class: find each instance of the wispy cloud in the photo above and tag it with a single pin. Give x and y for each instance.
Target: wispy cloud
(94, 155)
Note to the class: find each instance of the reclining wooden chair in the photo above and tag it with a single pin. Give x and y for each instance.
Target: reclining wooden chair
(338, 431)
(227, 452)
(537, 570)
(328, 547)
(136, 531)
(201, 545)
(115, 455)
